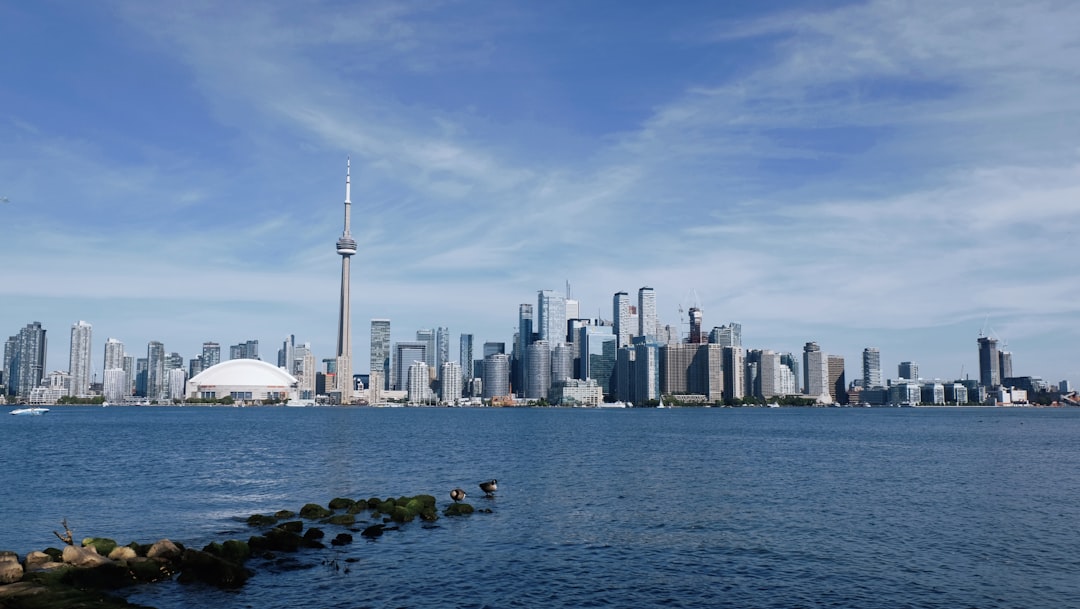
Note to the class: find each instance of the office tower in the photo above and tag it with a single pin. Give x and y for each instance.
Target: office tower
(647, 322)
(573, 310)
(287, 353)
(9, 355)
(768, 374)
(908, 370)
(141, 366)
(491, 348)
(598, 355)
(550, 317)
(1005, 369)
(26, 368)
(620, 312)
(380, 352)
(211, 354)
(405, 353)
(129, 373)
(791, 362)
(562, 363)
(450, 382)
(442, 347)
(837, 383)
(646, 385)
(522, 340)
(427, 336)
(175, 380)
(871, 368)
(1065, 386)
(538, 371)
(155, 370)
(346, 247)
(732, 377)
(989, 362)
(624, 376)
(675, 362)
(195, 366)
(815, 371)
(465, 359)
(727, 335)
(695, 326)
(173, 361)
(79, 358)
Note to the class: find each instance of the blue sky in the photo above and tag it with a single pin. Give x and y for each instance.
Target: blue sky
(898, 174)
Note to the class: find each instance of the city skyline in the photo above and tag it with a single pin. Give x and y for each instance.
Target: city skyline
(858, 174)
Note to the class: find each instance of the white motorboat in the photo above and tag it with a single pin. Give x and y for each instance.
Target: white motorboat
(30, 411)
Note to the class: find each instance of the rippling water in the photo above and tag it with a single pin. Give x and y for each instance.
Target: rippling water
(635, 508)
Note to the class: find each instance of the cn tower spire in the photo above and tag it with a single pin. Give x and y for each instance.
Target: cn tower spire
(346, 247)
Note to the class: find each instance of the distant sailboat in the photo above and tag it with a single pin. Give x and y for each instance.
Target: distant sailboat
(661, 405)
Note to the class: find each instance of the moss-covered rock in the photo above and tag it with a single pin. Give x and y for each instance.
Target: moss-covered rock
(402, 514)
(357, 507)
(56, 553)
(458, 509)
(261, 520)
(208, 568)
(284, 514)
(312, 511)
(293, 526)
(341, 503)
(342, 520)
(373, 503)
(150, 570)
(103, 545)
(386, 507)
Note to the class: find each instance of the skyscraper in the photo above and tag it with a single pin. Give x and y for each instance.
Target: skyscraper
(646, 298)
(695, 326)
(427, 336)
(550, 317)
(524, 338)
(1005, 364)
(620, 312)
(346, 247)
(442, 347)
(496, 375)
(380, 353)
(727, 336)
(871, 368)
(538, 371)
(155, 370)
(405, 353)
(27, 365)
(211, 354)
(79, 358)
(114, 355)
(989, 362)
(815, 371)
(465, 359)
(837, 384)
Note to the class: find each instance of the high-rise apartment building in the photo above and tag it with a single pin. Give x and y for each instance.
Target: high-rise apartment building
(211, 354)
(837, 383)
(491, 348)
(306, 369)
(989, 362)
(79, 358)
(419, 385)
(244, 350)
(695, 326)
(114, 355)
(815, 371)
(647, 321)
(442, 347)
(538, 370)
(496, 377)
(465, 359)
(620, 313)
(380, 352)
(727, 335)
(871, 368)
(26, 367)
(598, 355)
(450, 385)
(405, 353)
(1005, 368)
(155, 370)
(287, 353)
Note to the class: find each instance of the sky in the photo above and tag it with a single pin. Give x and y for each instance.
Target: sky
(901, 174)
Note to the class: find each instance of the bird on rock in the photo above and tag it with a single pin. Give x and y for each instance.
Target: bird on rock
(457, 495)
(489, 487)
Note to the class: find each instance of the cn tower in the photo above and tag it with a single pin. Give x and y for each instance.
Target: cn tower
(346, 247)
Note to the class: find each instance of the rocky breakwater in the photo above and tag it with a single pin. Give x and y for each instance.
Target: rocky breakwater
(93, 573)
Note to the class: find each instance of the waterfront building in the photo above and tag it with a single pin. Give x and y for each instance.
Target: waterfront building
(646, 370)
(141, 365)
(790, 361)
(450, 382)
(1065, 387)
(79, 359)
(562, 363)
(155, 370)
(905, 393)
(550, 317)
(871, 366)
(427, 336)
(700, 369)
(405, 353)
(909, 371)
(624, 379)
(419, 382)
(989, 362)
(577, 392)
(725, 370)
(956, 393)
(815, 372)
(769, 373)
(304, 370)
(675, 362)
(465, 359)
(26, 367)
(116, 386)
(379, 367)
(245, 380)
(837, 384)
(346, 248)
(496, 377)
(538, 371)
(647, 322)
(177, 379)
(933, 393)
(620, 312)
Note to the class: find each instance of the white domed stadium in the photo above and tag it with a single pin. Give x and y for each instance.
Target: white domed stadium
(245, 380)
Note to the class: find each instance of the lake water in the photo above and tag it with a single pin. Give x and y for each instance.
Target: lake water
(621, 508)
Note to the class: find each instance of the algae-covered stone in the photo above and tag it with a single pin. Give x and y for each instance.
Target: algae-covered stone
(150, 569)
(373, 503)
(293, 526)
(103, 545)
(56, 553)
(341, 503)
(215, 570)
(402, 514)
(284, 514)
(458, 509)
(387, 507)
(261, 520)
(342, 519)
(357, 507)
(235, 550)
(314, 510)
